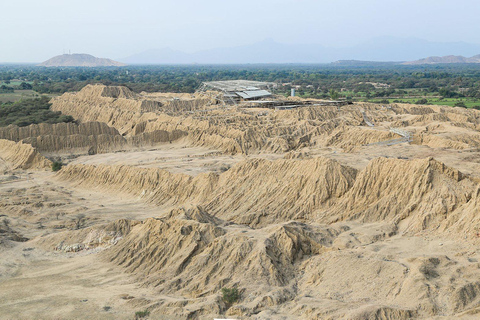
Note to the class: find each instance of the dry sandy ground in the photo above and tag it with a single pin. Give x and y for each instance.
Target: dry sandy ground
(43, 284)
(176, 157)
(467, 161)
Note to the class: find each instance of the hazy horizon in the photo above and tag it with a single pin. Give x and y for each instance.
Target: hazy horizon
(35, 31)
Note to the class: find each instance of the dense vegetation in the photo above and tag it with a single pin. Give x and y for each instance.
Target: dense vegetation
(442, 84)
(30, 111)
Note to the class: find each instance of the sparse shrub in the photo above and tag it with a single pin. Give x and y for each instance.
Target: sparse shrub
(142, 314)
(422, 101)
(79, 221)
(6, 222)
(334, 95)
(429, 271)
(460, 104)
(224, 167)
(428, 268)
(230, 295)
(107, 308)
(57, 165)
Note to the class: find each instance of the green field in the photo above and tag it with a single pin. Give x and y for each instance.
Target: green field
(470, 103)
(14, 83)
(17, 95)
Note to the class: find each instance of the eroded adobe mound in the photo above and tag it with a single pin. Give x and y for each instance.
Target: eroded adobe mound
(19, 155)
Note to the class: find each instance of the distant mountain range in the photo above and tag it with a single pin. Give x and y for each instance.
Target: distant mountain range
(269, 51)
(445, 59)
(80, 60)
(357, 63)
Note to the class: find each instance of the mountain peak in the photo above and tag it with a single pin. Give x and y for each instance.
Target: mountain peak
(445, 59)
(80, 60)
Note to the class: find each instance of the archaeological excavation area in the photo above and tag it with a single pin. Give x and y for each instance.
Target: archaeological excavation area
(166, 202)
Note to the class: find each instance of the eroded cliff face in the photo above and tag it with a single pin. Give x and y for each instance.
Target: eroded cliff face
(254, 192)
(235, 130)
(417, 195)
(118, 107)
(83, 138)
(212, 127)
(18, 155)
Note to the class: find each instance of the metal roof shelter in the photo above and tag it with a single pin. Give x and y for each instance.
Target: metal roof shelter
(253, 94)
(236, 90)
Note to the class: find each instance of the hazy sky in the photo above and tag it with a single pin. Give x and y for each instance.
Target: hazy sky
(35, 30)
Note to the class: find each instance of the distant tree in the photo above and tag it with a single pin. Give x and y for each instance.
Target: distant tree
(79, 221)
(421, 101)
(25, 86)
(333, 94)
(5, 89)
(447, 93)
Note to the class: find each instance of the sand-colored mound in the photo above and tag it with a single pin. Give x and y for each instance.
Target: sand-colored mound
(83, 138)
(455, 139)
(153, 185)
(437, 141)
(465, 220)
(350, 138)
(417, 194)
(77, 143)
(291, 267)
(223, 128)
(420, 194)
(19, 155)
(16, 133)
(116, 106)
(260, 192)
(93, 137)
(254, 192)
(235, 131)
(97, 237)
(241, 130)
(261, 264)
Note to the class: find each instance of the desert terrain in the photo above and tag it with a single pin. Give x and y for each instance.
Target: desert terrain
(360, 211)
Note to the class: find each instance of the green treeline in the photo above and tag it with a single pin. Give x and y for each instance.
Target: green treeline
(30, 111)
(383, 82)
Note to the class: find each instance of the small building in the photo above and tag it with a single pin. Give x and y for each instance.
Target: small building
(234, 91)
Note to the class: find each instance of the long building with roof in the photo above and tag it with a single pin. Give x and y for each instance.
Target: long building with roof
(239, 90)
